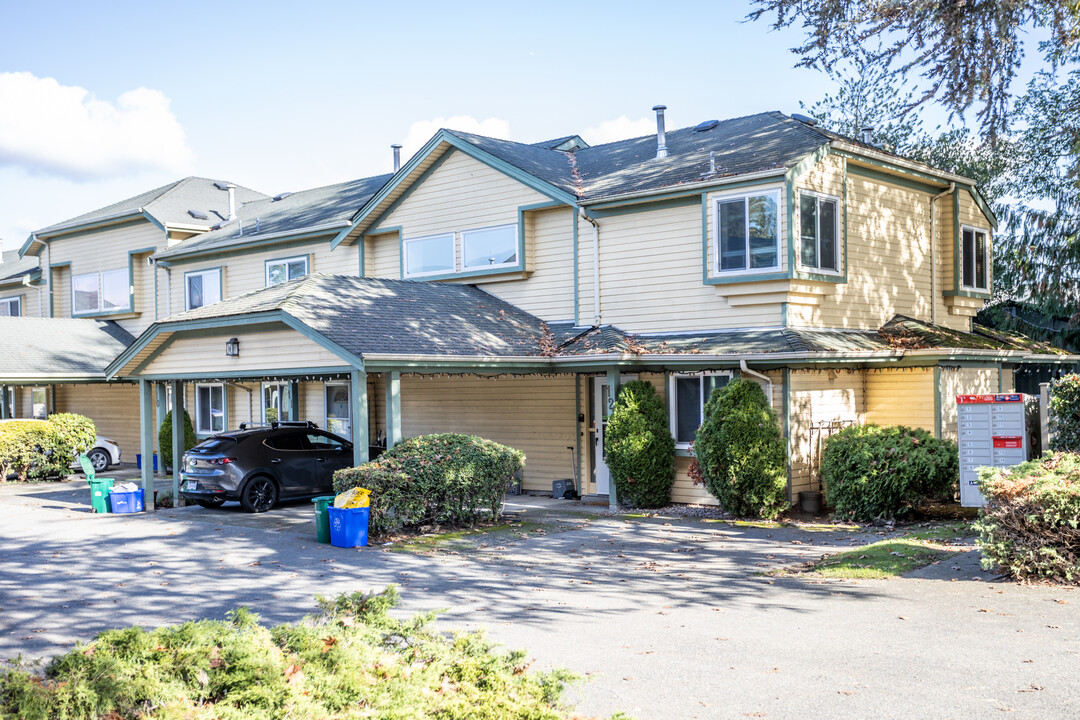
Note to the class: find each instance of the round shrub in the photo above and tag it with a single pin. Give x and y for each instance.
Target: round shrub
(741, 453)
(76, 431)
(874, 471)
(434, 479)
(33, 449)
(1065, 413)
(165, 436)
(640, 448)
(1030, 526)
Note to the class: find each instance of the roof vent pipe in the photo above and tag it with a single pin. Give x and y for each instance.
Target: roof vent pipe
(868, 135)
(232, 202)
(397, 157)
(661, 140)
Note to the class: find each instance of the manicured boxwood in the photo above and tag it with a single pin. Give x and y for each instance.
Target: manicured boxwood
(885, 471)
(350, 660)
(1030, 527)
(640, 448)
(741, 453)
(435, 479)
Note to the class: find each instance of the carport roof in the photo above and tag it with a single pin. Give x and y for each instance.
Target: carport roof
(58, 349)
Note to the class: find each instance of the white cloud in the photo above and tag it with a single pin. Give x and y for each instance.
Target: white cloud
(420, 132)
(62, 130)
(621, 128)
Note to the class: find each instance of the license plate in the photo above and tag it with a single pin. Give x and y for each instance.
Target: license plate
(191, 485)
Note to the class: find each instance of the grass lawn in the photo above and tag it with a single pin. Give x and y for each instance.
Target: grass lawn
(891, 557)
(458, 540)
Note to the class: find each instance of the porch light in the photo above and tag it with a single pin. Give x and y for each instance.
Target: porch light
(232, 348)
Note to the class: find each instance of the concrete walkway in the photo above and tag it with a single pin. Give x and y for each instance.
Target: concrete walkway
(666, 618)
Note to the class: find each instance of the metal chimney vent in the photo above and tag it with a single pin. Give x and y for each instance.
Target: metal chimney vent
(868, 135)
(397, 156)
(661, 139)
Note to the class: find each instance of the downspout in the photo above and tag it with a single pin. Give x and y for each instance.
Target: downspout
(48, 278)
(596, 264)
(933, 251)
(754, 373)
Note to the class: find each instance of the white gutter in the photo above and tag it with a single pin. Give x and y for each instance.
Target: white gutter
(595, 266)
(689, 187)
(900, 162)
(755, 373)
(933, 251)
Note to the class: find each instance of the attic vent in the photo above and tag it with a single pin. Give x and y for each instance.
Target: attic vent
(282, 196)
(198, 214)
(707, 125)
(804, 119)
(221, 185)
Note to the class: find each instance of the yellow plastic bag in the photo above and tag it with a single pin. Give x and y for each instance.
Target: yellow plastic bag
(352, 498)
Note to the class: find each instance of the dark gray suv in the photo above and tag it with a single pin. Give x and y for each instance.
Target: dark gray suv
(260, 465)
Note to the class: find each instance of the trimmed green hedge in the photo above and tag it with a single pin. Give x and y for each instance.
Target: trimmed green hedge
(741, 453)
(640, 448)
(874, 471)
(1030, 527)
(40, 449)
(434, 479)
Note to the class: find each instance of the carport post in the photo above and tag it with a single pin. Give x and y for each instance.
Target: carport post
(613, 393)
(162, 408)
(146, 442)
(177, 438)
(393, 409)
(358, 397)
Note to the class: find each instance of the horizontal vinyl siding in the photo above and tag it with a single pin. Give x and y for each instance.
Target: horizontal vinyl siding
(272, 350)
(382, 256)
(61, 293)
(901, 397)
(531, 413)
(114, 408)
(817, 397)
(962, 381)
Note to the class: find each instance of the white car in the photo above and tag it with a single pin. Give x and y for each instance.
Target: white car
(104, 454)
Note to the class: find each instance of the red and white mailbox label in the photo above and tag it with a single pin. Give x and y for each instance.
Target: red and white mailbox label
(976, 399)
(1008, 442)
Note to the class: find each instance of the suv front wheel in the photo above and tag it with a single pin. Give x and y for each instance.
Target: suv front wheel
(260, 494)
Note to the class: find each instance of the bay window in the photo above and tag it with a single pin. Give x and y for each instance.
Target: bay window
(747, 233)
(819, 230)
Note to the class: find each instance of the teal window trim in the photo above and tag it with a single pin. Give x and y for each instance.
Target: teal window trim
(205, 271)
(101, 292)
(306, 257)
(760, 277)
(746, 274)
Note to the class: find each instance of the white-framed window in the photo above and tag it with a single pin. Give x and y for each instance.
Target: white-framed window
(489, 247)
(819, 232)
(688, 393)
(747, 233)
(277, 402)
(209, 408)
(39, 403)
(279, 271)
(202, 288)
(975, 259)
(100, 292)
(338, 409)
(11, 307)
(431, 255)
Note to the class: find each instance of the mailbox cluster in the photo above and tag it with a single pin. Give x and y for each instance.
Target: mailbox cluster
(995, 431)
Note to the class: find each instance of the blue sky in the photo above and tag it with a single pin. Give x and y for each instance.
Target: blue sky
(284, 96)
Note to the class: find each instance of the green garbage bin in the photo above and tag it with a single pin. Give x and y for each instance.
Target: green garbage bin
(322, 518)
(99, 495)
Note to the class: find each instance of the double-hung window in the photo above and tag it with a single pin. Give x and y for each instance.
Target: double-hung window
(747, 232)
(819, 230)
(10, 307)
(975, 259)
(490, 247)
(101, 292)
(431, 255)
(209, 408)
(279, 271)
(688, 394)
(202, 288)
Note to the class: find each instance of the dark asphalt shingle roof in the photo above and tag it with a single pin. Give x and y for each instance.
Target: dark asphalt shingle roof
(297, 212)
(13, 266)
(169, 204)
(47, 347)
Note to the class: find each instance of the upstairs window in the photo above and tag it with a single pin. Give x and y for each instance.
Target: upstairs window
(202, 288)
(975, 259)
(432, 255)
(689, 393)
(819, 228)
(10, 307)
(490, 247)
(108, 291)
(747, 233)
(279, 271)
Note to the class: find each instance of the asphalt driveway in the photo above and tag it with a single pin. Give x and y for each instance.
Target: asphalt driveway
(666, 618)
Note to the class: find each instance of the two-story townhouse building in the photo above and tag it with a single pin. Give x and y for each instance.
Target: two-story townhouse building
(96, 272)
(507, 289)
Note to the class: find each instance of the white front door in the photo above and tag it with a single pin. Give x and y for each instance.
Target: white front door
(603, 403)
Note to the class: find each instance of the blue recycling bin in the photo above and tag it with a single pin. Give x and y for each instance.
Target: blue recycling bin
(126, 502)
(348, 526)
